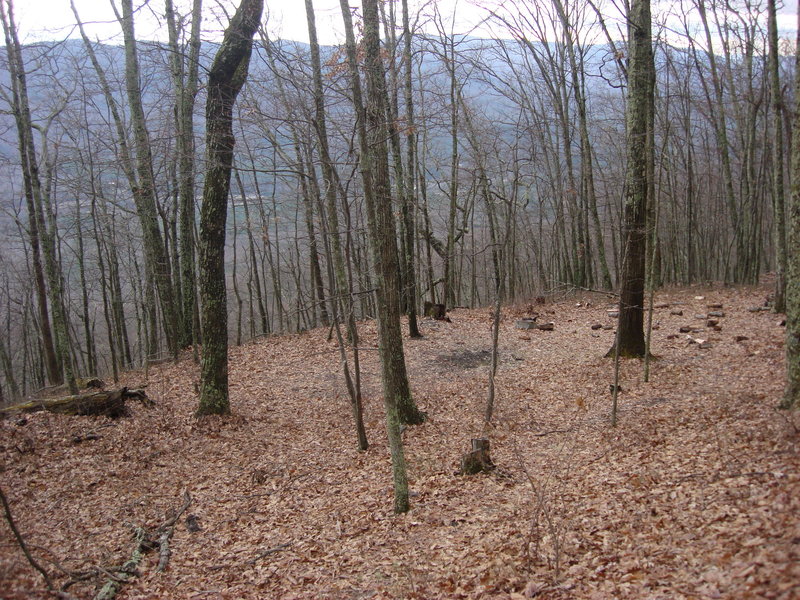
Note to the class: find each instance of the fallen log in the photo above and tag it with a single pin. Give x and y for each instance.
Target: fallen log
(56, 391)
(109, 403)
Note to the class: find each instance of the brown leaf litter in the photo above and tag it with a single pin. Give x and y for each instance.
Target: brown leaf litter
(695, 494)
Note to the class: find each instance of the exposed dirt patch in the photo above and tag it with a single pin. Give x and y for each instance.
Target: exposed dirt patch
(466, 359)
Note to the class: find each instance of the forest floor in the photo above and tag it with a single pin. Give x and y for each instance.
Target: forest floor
(695, 494)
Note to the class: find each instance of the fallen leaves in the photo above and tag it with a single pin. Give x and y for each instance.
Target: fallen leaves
(696, 493)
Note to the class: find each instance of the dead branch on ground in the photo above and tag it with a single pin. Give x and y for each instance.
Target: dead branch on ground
(145, 542)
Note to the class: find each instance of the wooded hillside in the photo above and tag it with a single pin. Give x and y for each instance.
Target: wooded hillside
(695, 493)
(506, 155)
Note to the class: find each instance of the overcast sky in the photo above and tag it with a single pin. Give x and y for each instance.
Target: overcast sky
(53, 19)
(49, 19)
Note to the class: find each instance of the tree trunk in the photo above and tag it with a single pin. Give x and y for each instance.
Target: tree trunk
(145, 193)
(791, 398)
(185, 89)
(641, 81)
(34, 195)
(374, 164)
(777, 162)
(225, 80)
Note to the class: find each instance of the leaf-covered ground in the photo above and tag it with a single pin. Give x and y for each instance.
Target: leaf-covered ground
(696, 492)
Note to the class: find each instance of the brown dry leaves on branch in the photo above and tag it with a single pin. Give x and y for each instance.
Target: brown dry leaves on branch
(695, 494)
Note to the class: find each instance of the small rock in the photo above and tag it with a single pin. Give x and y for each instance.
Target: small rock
(711, 322)
(608, 327)
(700, 316)
(613, 314)
(676, 311)
(716, 313)
(597, 326)
(714, 306)
(740, 338)
(704, 345)
(546, 326)
(685, 329)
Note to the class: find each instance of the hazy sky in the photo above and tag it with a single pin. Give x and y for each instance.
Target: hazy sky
(53, 19)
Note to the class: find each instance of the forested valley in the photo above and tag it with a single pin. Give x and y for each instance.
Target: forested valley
(533, 284)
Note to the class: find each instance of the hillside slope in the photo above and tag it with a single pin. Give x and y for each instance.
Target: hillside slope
(695, 494)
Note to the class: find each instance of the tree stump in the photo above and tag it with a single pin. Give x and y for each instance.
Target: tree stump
(478, 460)
(436, 311)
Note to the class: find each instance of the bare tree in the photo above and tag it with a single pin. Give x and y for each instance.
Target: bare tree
(156, 258)
(185, 70)
(779, 207)
(630, 339)
(225, 80)
(37, 196)
(29, 170)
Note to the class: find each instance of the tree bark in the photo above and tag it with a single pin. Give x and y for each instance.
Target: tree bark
(225, 80)
(641, 81)
(185, 89)
(108, 403)
(374, 165)
(791, 398)
(39, 231)
(156, 258)
(779, 200)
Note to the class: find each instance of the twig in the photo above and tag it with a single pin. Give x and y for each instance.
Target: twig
(144, 543)
(573, 287)
(166, 530)
(21, 542)
(544, 433)
(264, 553)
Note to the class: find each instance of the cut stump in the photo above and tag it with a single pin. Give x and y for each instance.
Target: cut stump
(435, 311)
(478, 460)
